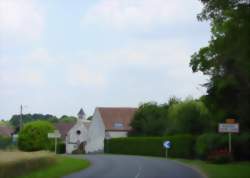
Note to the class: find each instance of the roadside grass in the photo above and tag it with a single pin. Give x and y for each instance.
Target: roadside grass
(63, 166)
(230, 170)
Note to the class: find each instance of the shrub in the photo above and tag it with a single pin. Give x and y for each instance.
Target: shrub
(207, 144)
(61, 148)
(241, 146)
(34, 136)
(5, 142)
(182, 146)
(220, 156)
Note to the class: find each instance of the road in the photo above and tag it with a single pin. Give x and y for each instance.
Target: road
(121, 166)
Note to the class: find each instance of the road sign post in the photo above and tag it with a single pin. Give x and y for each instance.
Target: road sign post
(229, 127)
(167, 145)
(56, 134)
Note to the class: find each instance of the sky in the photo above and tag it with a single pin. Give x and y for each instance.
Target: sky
(58, 56)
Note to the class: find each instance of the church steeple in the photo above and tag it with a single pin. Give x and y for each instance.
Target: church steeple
(81, 114)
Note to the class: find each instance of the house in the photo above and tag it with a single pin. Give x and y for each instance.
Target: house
(108, 122)
(6, 131)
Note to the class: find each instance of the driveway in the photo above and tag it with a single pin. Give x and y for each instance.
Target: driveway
(121, 166)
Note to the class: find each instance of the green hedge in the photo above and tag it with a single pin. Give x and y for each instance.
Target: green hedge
(182, 146)
(5, 142)
(210, 142)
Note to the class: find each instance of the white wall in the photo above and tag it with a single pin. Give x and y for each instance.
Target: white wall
(73, 138)
(117, 134)
(96, 134)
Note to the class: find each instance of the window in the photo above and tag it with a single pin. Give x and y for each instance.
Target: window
(118, 125)
(78, 132)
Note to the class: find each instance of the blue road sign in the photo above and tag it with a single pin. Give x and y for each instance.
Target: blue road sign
(167, 144)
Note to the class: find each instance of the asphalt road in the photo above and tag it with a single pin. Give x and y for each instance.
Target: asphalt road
(120, 166)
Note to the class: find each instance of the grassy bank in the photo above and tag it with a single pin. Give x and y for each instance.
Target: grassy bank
(37, 165)
(231, 170)
(63, 166)
(15, 163)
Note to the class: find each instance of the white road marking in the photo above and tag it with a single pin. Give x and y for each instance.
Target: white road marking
(139, 170)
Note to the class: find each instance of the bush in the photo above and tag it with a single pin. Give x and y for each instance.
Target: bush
(241, 146)
(34, 136)
(208, 143)
(5, 142)
(61, 148)
(182, 146)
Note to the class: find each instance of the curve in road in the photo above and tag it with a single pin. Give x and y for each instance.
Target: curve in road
(122, 166)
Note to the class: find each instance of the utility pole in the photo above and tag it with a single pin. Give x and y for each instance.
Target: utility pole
(21, 118)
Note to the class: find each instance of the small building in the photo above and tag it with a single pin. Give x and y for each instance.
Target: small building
(6, 131)
(108, 122)
(74, 134)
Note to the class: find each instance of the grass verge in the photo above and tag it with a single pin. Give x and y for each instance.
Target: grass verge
(63, 166)
(231, 170)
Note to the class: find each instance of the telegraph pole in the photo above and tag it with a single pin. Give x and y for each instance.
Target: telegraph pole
(21, 118)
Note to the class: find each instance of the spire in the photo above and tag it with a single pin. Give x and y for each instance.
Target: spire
(81, 114)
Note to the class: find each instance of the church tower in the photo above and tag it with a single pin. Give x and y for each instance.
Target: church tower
(81, 115)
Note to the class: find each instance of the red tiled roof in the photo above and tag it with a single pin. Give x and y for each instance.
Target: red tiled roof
(64, 128)
(112, 116)
(6, 131)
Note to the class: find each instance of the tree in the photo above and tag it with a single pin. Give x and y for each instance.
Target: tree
(150, 120)
(227, 58)
(189, 116)
(34, 136)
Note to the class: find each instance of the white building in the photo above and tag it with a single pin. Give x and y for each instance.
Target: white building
(108, 123)
(76, 137)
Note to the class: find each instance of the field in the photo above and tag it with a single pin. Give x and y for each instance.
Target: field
(37, 165)
(230, 170)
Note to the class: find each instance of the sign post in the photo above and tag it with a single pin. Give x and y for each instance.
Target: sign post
(167, 145)
(229, 127)
(56, 134)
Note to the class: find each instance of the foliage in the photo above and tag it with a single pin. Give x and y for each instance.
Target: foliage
(34, 136)
(5, 142)
(151, 119)
(226, 58)
(26, 118)
(15, 119)
(209, 143)
(152, 146)
(189, 116)
(61, 148)
(14, 164)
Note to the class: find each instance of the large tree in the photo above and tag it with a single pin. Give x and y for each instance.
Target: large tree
(227, 57)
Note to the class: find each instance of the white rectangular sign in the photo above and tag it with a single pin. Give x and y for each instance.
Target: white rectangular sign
(56, 134)
(229, 128)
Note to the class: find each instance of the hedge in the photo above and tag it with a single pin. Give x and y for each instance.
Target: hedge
(182, 146)
(207, 143)
(15, 164)
(5, 142)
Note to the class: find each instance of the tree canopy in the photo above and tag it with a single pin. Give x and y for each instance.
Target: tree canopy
(227, 58)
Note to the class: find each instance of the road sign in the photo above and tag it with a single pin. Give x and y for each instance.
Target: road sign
(230, 121)
(167, 144)
(229, 128)
(55, 134)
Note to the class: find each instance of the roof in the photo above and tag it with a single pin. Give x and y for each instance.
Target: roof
(64, 128)
(6, 131)
(121, 116)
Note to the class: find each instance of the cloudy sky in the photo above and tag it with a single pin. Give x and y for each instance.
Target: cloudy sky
(57, 56)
